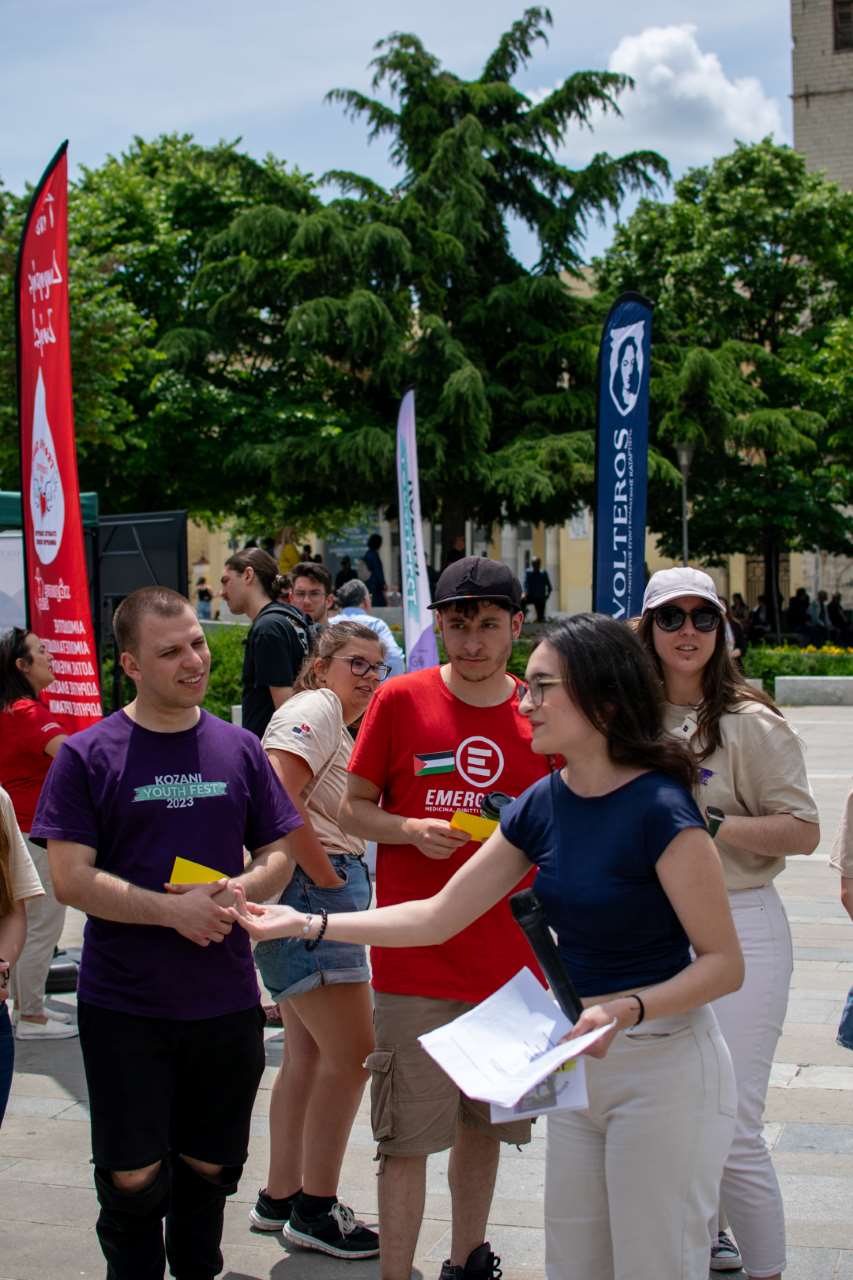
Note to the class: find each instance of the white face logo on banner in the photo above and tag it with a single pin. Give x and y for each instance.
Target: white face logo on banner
(480, 762)
(47, 500)
(626, 365)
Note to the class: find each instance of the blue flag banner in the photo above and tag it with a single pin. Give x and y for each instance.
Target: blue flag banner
(621, 458)
(418, 619)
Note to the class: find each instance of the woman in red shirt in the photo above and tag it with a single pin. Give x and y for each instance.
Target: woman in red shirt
(30, 737)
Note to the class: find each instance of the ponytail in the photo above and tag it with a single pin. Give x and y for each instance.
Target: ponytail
(264, 568)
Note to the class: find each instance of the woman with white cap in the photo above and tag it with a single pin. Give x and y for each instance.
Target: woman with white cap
(756, 798)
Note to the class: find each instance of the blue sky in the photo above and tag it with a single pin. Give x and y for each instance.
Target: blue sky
(101, 71)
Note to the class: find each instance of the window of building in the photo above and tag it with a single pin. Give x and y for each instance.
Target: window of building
(842, 13)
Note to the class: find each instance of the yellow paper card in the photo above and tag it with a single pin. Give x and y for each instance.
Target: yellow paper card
(477, 828)
(186, 872)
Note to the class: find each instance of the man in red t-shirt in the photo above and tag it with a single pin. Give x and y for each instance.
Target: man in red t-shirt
(432, 744)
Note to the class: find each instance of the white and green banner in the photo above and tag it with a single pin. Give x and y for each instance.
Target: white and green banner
(418, 622)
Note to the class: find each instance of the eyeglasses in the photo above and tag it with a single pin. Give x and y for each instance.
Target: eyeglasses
(669, 617)
(534, 690)
(361, 667)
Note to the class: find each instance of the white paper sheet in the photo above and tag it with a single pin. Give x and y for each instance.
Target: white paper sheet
(563, 1090)
(503, 1048)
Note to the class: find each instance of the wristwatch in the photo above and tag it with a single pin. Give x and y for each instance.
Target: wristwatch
(715, 817)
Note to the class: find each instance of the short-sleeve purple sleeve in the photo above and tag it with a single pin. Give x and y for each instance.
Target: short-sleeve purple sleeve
(66, 810)
(272, 813)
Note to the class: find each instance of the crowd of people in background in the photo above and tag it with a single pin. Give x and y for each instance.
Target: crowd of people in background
(368, 569)
(803, 621)
(651, 796)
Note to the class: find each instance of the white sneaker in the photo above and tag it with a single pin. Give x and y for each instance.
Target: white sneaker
(58, 1015)
(725, 1255)
(50, 1030)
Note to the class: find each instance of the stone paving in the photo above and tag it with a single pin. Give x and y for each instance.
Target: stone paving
(47, 1205)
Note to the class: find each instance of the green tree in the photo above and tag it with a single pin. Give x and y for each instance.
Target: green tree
(240, 347)
(351, 302)
(139, 227)
(108, 338)
(749, 268)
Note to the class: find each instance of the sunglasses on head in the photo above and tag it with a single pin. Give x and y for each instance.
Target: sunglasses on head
(669, 617)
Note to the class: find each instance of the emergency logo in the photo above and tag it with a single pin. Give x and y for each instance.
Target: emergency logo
(480, 762)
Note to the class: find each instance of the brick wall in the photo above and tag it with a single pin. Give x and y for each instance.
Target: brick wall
(822, 92)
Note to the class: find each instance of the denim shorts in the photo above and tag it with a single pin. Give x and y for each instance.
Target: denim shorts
(845, 1026)
(287, 968)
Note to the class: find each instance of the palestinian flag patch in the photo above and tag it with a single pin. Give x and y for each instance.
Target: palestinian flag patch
(429, 762)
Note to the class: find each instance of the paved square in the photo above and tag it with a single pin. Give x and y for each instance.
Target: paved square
(47, 1205)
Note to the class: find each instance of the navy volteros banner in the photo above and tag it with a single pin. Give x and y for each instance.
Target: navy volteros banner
(621, 458)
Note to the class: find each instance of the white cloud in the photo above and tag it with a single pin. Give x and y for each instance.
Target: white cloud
(683, 104)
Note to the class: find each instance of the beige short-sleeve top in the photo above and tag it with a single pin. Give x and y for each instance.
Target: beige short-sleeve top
(25, 878)
(842, 850)
(759, 770)
(311, 725)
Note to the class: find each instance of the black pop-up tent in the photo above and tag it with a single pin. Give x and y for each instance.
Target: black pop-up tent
(123, 552)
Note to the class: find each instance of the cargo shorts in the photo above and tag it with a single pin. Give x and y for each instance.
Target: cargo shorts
(415, 1108)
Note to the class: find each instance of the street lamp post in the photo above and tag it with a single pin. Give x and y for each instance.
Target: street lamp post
(684, 453)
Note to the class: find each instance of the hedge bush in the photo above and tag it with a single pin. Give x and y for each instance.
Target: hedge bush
(770, 661)
(226, 649)
(226, 668)
(224, 689)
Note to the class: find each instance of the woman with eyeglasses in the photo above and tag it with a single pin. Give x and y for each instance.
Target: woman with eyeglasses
(322, 990)
(30, 736)
(755, 794)
(629, 880)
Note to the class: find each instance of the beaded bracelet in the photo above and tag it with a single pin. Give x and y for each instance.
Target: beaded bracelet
(315, 942)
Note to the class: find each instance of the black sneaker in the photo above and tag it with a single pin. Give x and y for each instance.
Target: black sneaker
(338, 1233)
(482, 1264)
(725, 1255)
(270, 1214)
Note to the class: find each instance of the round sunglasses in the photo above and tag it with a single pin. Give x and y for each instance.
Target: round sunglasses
(669, 617)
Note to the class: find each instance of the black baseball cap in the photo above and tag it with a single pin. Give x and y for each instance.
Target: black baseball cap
(476, 578)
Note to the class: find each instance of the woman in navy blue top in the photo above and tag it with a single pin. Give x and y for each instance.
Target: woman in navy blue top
(630, 882)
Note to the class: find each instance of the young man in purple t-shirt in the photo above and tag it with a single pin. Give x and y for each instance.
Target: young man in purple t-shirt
(169, 1014)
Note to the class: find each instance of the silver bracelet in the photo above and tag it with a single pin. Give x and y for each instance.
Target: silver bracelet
(306, 928)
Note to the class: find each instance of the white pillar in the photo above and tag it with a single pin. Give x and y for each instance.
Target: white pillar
(552, 564)
(509, 546)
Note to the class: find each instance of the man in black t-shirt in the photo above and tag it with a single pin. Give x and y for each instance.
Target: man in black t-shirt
(274, 652)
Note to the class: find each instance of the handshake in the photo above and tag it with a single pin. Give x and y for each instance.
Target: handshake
(206, 913)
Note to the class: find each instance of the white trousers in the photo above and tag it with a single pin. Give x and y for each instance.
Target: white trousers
(45, 918)
(632, 1181)
(751, 1021)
